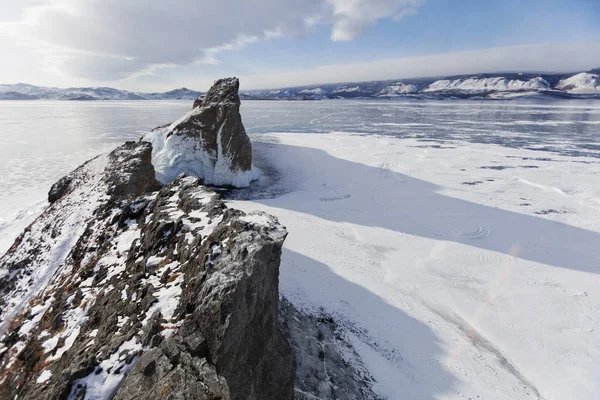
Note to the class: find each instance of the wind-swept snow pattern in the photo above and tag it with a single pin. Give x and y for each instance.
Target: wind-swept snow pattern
(316, 91)
(455, 270)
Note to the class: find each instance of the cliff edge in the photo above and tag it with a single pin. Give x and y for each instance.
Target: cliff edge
(125, 288)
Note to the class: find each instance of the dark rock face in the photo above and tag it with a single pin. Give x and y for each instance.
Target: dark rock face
(130, 171)
(211, 140)
(221, 111)
(197, 103)
(250, 304)
(327, 366)
(173, 371)
(59, 189)
(160, 295)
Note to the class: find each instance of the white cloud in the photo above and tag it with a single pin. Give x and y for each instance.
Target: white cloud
(537, 58)
(145, 43)
(113, 39)
(352, 16)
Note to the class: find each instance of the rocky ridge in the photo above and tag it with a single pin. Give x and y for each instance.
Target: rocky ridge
(128, 289)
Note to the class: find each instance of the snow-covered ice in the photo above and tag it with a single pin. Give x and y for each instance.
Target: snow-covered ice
(457, 267)
(456, 271)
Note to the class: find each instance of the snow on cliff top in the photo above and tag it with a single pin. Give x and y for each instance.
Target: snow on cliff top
(313, 91)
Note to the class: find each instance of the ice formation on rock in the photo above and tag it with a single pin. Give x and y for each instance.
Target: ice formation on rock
(209, 142)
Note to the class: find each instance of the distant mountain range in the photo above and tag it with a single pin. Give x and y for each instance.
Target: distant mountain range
(480, 86)
(23, 91)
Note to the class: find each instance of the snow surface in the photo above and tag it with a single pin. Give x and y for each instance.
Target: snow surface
(464, 271)
(104, 384)
(44, 376)
(488, 84)
(583, 83)
(173, 155)
(16, 222)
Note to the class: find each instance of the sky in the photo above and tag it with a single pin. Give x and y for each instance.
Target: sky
(152, 45)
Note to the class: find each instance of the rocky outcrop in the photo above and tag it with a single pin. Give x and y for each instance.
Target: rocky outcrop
(197, 103)
(77, 200)
(120, 289)
(209, 142)
(59, 189)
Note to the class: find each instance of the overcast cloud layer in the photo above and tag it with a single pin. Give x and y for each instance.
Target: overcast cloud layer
(115, 39)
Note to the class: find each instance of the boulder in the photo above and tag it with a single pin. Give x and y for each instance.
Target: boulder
(59, 189)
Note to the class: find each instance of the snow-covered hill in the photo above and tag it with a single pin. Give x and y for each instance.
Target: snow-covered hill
(498, 84)
(583, 83)
(316, 91)
(23, 91)
(479, 86)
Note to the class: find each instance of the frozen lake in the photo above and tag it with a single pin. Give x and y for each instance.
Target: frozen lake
(42, 141)
(454, 243)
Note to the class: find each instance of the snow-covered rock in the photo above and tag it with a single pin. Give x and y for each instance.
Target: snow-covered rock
(209, 142)
(487, 84)
(120, 290)
(583, 83)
